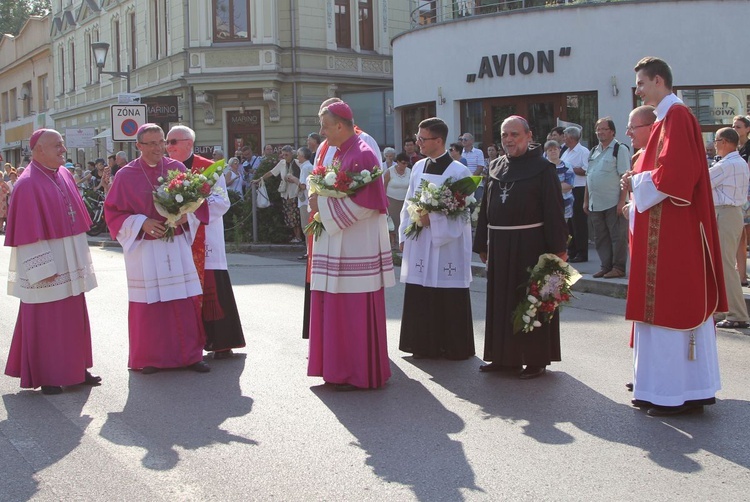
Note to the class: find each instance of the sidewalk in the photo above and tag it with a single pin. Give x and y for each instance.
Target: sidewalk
(616, 288)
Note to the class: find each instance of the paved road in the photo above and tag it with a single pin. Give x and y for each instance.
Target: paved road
(257, 428)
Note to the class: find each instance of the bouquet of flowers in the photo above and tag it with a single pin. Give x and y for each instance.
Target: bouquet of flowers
(452, 199)
(548, 288)
(184, 192)
(333, 182)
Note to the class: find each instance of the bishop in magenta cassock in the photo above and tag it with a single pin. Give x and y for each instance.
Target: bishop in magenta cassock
(351, 266)
(50, 270)
(164, 317)
(676, 282)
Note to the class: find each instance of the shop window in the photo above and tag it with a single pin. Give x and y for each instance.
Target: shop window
(471, 122)
(372, 113)
(717, 106)
(583, 109)
(411, 116)
(231, 20)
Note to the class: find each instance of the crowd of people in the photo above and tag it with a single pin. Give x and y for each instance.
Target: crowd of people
(667, 198)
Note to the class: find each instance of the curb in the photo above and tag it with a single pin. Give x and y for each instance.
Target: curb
(617, 288)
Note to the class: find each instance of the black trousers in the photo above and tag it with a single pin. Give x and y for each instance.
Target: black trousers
(579, 226)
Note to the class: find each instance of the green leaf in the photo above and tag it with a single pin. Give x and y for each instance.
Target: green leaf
(466, 186)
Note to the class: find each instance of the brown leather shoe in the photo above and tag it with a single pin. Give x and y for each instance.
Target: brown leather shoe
(615, 273)
(600, 274)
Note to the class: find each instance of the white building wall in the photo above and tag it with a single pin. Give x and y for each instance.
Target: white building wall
(606, 41)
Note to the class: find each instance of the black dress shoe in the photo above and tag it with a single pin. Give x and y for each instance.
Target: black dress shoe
(149, 370)
(629, 386)
(668, 411)
(200, 367)
(532, 372)
(489, 368)
(92, 380)
(579, 259)
(638, 403)
(51, 390)
(223, 354)
(302, 257)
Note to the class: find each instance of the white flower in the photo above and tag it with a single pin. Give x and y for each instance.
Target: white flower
(201, 177)
(537, 324)
(432, 186)
(216, 176)
(365, 173)
(526, 319)
(330, 178)
(352, 184)
(178, 198)
(160, 179)
(470, 200)
(186, 183)
(414, 214)
(532, 300)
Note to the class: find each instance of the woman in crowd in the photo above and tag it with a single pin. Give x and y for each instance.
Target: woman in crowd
(564, 173)
(287, 165)
(233, 175)
(389, 154)
(741, 124)
(396, 179)
(4, 196)
(456, 150)
(304, 155)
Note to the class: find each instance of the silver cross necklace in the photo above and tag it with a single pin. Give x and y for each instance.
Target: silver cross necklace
(505, 188)
(71, 211)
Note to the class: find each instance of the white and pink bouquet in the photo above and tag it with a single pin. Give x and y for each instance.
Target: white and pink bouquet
(452, 199)
(548, 288)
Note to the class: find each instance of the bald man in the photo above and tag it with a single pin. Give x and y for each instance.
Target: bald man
(50, 270)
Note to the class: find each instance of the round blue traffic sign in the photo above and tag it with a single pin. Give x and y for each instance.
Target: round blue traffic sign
(129, 127)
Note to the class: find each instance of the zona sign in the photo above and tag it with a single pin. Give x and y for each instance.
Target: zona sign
(126, 119)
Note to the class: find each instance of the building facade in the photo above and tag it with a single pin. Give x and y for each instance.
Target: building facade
(236, 71)
(558, 62)
(25, 88)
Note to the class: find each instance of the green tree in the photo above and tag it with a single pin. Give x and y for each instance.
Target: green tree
(13, 14)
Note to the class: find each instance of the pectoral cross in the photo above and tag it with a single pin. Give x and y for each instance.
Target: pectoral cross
(72, 213)
(169, 263)
(450, 269)
(419, 265)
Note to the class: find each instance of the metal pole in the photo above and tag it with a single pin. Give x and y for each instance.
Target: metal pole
(127, 74)
(254, 195)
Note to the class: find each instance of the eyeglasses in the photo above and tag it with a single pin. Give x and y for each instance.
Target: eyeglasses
(174, 141)
(420, 139)
(152, 144)
(463, 139)
(632, 128)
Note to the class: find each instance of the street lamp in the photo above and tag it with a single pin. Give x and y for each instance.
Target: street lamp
(100, 50)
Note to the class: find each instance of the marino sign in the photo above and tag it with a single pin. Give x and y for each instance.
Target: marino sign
(524, 63)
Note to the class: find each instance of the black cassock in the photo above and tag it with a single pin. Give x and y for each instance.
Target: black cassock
(521, 191)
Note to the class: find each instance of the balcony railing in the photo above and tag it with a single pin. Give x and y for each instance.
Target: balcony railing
(437, 11)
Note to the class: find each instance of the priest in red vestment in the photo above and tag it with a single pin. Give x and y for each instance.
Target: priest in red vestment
(676, 282)
(351, 266)
(164, 318)
(50, 270)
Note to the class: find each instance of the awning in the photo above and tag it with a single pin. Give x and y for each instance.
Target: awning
(107, 133)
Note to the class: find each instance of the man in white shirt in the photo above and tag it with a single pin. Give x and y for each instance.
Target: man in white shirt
(577, 157)
(729, 182)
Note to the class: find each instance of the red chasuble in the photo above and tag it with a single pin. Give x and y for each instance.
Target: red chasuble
(199, 244)
(676, 279)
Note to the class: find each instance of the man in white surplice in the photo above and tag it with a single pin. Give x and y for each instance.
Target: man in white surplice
(436, 265)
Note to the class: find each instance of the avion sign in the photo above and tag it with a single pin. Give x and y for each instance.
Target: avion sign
(525, 63)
